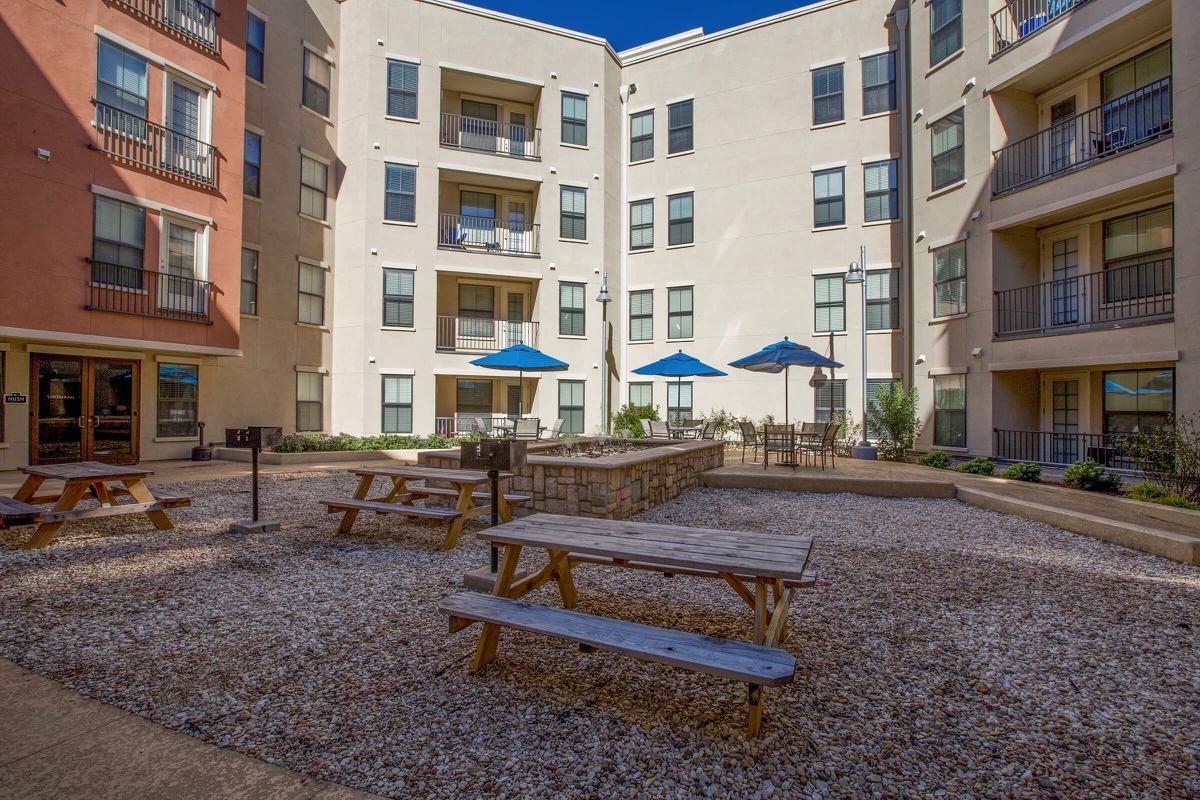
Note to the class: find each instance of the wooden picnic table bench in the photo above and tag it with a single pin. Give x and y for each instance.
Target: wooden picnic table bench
(106, 483)
(763, 569)
(399, 499)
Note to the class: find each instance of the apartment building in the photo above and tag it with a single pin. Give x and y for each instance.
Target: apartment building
(1051, 156)
(121, 226)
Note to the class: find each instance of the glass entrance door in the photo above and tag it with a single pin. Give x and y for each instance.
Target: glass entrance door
(84, 409)
(111, 423)
(58, 421)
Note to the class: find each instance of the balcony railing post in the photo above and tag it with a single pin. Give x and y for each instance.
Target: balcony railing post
(476, 335)
(488, 235)
(489, 136)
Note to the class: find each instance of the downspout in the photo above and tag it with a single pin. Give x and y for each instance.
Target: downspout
(908, 252)
(625, 92)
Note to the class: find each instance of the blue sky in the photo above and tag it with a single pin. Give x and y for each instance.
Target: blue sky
(613, 19)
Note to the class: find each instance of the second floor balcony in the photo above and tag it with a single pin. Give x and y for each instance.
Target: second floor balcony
(478, 335)
(192, 20)
(1112, 298)
(490, 136)
(1134, 119)
(153, 147)
(488, 235)
(147, 293)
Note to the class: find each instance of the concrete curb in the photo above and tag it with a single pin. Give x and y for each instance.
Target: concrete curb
(876, 487)
(319, 457)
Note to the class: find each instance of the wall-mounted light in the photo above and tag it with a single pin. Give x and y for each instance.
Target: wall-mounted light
(554, 75)
(374, 251)
(920, 359)
(43, 154)
(920, 235)
(977, 352)
(969, 85)
(380, 43)
(976, 216)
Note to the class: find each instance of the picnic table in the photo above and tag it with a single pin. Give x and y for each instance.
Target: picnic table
(464, 483)
(764, 570)
(106, 483)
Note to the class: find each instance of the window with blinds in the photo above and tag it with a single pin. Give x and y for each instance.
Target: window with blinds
(828, 94)
(122, 83)
(945, 30)
(830, 303)
(950, 410)
(317, 76)
(881, 196)
(641, 315)
(948, 149)
(574, 119)
(879, 83)
(1136, 73)
(950, 280)
(641, 136)
(641, 395)
(883, 300)
(573, 207)
(401, 89)
(570, 406)
(571, 314)
(178, 393)
(874, 386)
(398, 285)
(251, 164)
(400, 193)
(314, 182)
(473, 398)
(829, 197)
(118, 243)
(680, 221)
(679, 128)
(397, 395)
(256, 45)
(679, 312)
(249, 299)
(641, 225)
(679, 402)
(312, 295)
(310, 392)
(829, 401)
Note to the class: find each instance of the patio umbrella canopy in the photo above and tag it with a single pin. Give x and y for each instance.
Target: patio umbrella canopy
(521, 358)
(680, 365)
(779, 357)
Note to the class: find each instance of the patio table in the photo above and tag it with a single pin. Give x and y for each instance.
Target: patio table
(686, 431)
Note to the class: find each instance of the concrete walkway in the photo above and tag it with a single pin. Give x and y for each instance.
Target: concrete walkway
(58, 745)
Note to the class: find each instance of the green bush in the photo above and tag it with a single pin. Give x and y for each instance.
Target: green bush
(726, 423)
(848, 435)
(1153, 493)
(627, 422)
(1023, 472)
(320, 443)
(977, 466)
(1092, 477)
(936, 459)
(1169, 455)
(892, 415)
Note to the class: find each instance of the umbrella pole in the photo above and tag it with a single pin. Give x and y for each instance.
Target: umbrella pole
(785, 394)
(520, 393)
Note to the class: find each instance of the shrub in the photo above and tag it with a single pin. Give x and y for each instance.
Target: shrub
(1023, 472)
(320, 443)
(627, 421)
(1169, 455)
(936, 459)
(1092, 477)
(1153, 493)
(892, 415)
(848, 435)
(977, 466)
(726, 423)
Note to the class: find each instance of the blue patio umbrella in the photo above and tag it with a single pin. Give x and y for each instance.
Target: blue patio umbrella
(781, 356)
(521, 358)
(680, 365)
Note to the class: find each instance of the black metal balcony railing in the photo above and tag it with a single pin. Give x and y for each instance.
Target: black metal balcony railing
(146, 293)
(488, 235)
(192, 19)
(474, 335)
(1021, 18)
(490, 136)
(1112, 298)
(1046, 447)
(1130, 120)
(138, 141)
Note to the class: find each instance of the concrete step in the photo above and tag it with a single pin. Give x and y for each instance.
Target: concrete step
(827, 481)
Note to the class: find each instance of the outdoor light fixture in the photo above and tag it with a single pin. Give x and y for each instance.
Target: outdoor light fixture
(818, 378)
(604, 299)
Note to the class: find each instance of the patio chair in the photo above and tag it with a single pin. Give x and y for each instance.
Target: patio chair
(555, 431)
(480, 426)
(749, 439)
(710, 431)
(646, 427)
(659, 430)
(527, 429)
(810, 434)
(823, 446)
(780, 440)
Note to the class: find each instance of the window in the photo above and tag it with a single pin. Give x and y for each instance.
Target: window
(679, 401)
(252, 166)
(312, 295)
(641, 225)
(945, 29)
(679, 128)
(472, 399)
(641, 136)
(574, 119)
(570, 309)
(397, 404)
(679, 312)
(950, 280)
(573, 202)
(874, 386)
(680, 229)
(829, 401)
(641, 315)
(400, 193)
(121, 84)
(570, 405)
(314, 180)
(249, 281)
(1138, 401)
(881, 196)
(829, 197)
(1138, 249)
(948, 163)
(310, 390)
(879, 83)
(830, 299)
(256, 45)
(118, 244)
(883, 300)
(177, 396)
(317, 74)
(950, 410)
(641, 395)
(827, 95)
(398, 297)
(401, 89)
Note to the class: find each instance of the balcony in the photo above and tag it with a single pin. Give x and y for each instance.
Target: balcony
(475, 335)
(487, 235)
(192, 20)
(146, 293)
(1023, 18)
(158, 149)
(1135, 119)
(1061, 449)
(1114, 298)
(489, 136)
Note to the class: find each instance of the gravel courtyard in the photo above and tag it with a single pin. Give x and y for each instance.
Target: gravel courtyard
(951, 652)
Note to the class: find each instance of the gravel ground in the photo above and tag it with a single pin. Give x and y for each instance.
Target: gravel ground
(953, 652)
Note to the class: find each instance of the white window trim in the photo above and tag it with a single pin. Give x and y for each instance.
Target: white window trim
(200, 266)
(407, 59)
(319, 53)
(877, 52)
(834, 63)
(317, 157)
(831, 165)
(569, 90)
(683, 99)
(257, 13)
(140, 202)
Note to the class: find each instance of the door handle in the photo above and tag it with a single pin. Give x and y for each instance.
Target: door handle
(94, 421)
(80, 422)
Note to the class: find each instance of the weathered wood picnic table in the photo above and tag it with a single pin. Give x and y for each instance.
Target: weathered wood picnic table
(763, 569)
(81, 480)
(464, 483)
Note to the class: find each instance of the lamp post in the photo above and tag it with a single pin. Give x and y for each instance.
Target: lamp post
(604, 299)
(858, 274)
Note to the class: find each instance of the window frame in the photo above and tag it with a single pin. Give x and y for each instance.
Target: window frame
(646, 318)
(301, 293)
(890, 83)
(123, 93)
(961, 307)
(828, 305)
(941, 414)
(829, 201)
(384, 405)
(252, 282)
(958, 153)
(256, 164)
(400, 299)
(936, 32)
(825, 412)
(892, 192)
(301, 377)
(689, 315)
(572, 319)
(117, 243)
(163, 427)
(681, 133)
(892, 301)
(323, 191)
(260, 51)
(641, 138)
(641, 227)
(647, 385)
(577, 125)
(407, 174)
(826, 93)
(402, 92)
(675, 413)
(1162, 416)
(307, 81)
(576, 218)
(681, 230)
(567, 412)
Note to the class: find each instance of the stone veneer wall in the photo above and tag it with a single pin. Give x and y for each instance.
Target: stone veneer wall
(612, 487)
